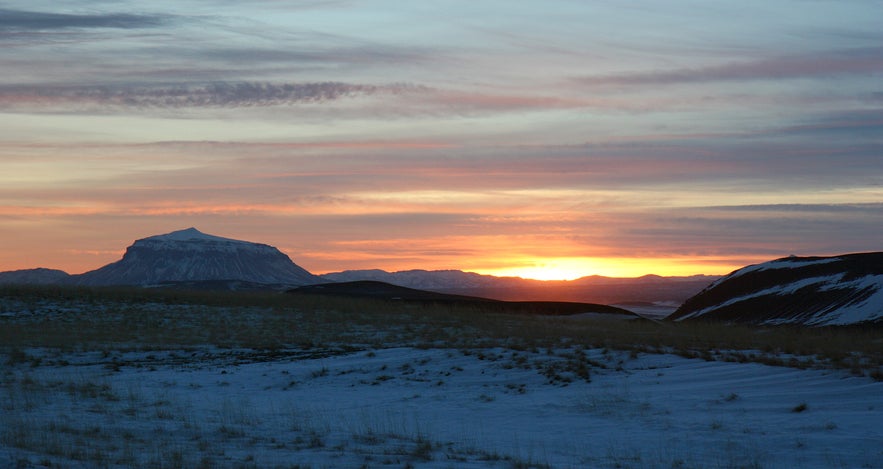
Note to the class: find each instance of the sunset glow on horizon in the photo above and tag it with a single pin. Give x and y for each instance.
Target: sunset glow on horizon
(575, 268)
(546, 140)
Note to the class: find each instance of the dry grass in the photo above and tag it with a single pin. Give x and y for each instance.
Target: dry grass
(71, 318)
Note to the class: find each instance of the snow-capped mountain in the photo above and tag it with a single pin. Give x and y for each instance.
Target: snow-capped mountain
(190, 255)
(38, 276)
(814, 291)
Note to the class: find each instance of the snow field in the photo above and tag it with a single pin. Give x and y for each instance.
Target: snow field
(413, 407)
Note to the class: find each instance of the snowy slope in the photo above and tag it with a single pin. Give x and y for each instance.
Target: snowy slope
(430, 408)
(815, 291)
(190, 255)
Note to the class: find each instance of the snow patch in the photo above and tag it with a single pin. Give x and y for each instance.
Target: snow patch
(432, 408)
(188, 235)
(785, 263)
(866, 309)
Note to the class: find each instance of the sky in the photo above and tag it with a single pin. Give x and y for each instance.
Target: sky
(544, 139)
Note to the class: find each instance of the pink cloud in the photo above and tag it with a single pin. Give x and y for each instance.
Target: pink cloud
(836, 63)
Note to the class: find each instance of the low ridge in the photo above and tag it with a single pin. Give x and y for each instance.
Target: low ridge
(385, 291)
(38, 276)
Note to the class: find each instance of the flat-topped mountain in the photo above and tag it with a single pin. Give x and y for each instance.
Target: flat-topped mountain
(814, 291)
(190, 255)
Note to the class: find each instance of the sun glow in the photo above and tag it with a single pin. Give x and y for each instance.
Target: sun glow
(549, 269)
(571, 268)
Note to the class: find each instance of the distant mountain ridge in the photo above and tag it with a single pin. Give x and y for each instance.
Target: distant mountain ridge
(190, 255)
(812, 291)
(424, 279)
(591, 289)
(191, 259)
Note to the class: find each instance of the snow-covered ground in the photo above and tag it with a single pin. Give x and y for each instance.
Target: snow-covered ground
(411, 407)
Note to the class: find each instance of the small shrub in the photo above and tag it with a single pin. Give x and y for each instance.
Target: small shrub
(582, 371)
(316, 441)
(381, 379)
(231, 432)
(17, 356)
(517, 388)
(423, 450)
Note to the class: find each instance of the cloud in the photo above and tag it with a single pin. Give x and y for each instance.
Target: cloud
(358, 54)
(471, 102)
(216, 94)
(829, 64)
(423, 100)
(720, 170)
(870, 208)
(853, 124)
(20, 20)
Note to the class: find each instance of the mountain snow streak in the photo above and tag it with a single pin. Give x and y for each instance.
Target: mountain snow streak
(813, 291)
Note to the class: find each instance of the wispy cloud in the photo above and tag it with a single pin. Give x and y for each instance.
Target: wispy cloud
(346, 53)
(870, 208)
(217, 94)
(828, 64)
(22, 20)
(421, 100)
(853, 124)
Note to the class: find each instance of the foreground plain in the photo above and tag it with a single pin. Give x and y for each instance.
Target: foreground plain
(135, 378)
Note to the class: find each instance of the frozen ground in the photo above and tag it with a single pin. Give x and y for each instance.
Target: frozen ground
(413, 407)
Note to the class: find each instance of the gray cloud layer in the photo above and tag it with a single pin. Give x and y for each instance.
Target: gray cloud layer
(218, 94)
(20, 20)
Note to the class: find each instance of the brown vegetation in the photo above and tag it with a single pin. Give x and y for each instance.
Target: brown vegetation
(134, 318)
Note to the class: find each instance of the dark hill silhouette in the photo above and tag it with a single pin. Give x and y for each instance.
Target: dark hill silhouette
(385, 291)
(38, 276)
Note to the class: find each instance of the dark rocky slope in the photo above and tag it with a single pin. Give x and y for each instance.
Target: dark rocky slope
(813, 291)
